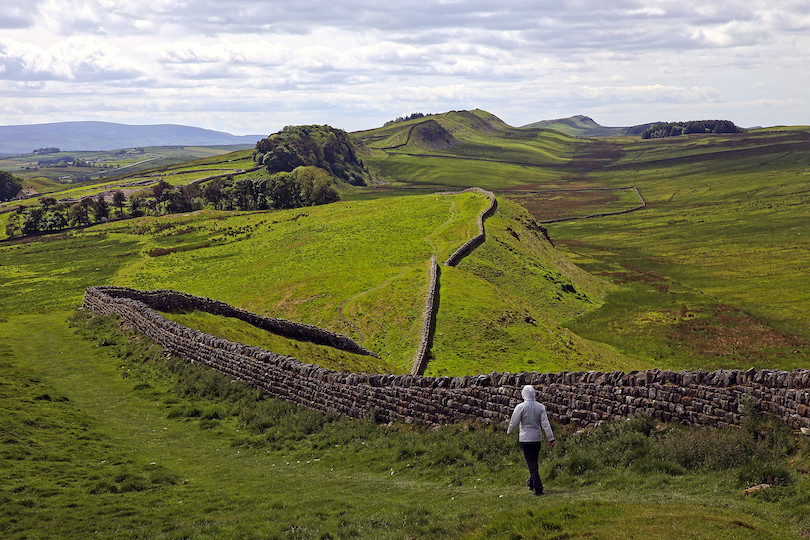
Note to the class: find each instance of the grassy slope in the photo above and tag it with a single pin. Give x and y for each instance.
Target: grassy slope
(229, 491)
(101, 442)
(493, 156)
(685, 300)
(359, 268)
(724, 231)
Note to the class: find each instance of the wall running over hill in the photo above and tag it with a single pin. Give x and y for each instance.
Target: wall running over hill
(477, 240)
(429, 318)
(432, 301)
(719, 398)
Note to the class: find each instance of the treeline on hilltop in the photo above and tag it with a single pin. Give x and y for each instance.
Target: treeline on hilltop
(400, 119)
(318, 146)
(304, 186)
(661, 130)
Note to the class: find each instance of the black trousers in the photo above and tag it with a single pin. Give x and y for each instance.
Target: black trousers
(531, 451)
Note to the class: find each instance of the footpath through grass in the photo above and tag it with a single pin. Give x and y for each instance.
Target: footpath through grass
(103, 435)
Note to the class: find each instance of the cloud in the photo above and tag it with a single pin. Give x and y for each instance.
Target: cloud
(75, 59)
(358, 62)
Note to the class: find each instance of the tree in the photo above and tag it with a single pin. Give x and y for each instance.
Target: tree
(13, 229)
(32, 221)
(54, 221)
(102, 208)
(315, 186)
(9, 186)
(135, 207)
(212, 192)
(284, 191)
(159, 189)
(77, 215)
(319, 146)
(118, 200)
(47, 202)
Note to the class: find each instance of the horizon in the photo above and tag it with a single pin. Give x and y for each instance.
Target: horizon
(375, 127)
(247, 67)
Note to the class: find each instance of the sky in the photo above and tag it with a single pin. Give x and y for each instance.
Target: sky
(250, 67)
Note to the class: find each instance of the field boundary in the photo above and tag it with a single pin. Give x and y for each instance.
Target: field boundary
(479, 239)
(720, 398)
(432, 301)
(639, 207)
(429, 319)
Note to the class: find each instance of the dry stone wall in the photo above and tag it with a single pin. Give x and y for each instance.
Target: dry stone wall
(431, 306)
(478, 239)
(719, 398)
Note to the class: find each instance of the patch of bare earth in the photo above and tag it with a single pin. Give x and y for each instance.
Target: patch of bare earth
(726, 331)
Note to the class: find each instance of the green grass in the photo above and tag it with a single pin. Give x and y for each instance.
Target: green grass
(242, 332)
(358, 268)
(719, 231)
(108, 437)
(723, 229)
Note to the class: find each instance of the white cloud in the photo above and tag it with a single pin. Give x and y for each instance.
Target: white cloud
(77, 59)
(356, 63)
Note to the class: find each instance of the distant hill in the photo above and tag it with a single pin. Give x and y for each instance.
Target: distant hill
(431, 132)
(75, 136)
(583, 126)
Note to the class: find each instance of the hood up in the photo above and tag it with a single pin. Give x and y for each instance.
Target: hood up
(528, 393)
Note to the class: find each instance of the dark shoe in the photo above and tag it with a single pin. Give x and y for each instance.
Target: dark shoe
(538, 493)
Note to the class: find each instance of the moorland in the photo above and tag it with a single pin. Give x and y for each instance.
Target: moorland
(107, 435)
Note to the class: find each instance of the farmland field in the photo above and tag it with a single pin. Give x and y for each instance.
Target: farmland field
(105, 436)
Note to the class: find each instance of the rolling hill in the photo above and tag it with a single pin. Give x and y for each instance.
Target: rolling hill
(583, 126)
(106, 436)
(75, 136)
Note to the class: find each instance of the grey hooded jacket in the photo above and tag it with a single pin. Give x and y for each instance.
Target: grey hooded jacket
(531, 416)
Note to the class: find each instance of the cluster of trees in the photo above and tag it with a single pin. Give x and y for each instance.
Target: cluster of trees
(9, 186)
(399, 119)
(51, 150)
(52, 216)
(317, 146)
(304, 186)
(674, 129)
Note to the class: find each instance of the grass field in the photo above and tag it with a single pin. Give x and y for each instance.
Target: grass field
(358, 268)
(104, 435)
(712, 273)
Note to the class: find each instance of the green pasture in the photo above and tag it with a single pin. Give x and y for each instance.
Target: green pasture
(105, 436)
(360, 268)
(721, 239)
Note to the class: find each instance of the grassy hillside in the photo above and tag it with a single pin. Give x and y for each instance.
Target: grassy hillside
(108, 438)
(359, 268)
(583, 126)
(485, 152)
(104, 435)
(710, 273)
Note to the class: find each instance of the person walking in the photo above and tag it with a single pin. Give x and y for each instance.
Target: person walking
(532, 419)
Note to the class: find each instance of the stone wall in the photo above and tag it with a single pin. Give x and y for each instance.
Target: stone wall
(478, 239)
(719, 398)
(168, 301)
(642, 204)
(429, 318)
